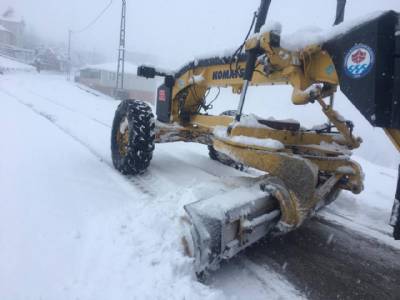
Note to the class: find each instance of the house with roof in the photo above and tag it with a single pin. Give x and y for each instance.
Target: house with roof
(6, 36)
(12, 28)
(103, 78)
(51, 59)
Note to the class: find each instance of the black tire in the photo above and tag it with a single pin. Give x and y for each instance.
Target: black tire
(230, 113)
(220, 157)
(132, 150)
(396, 231)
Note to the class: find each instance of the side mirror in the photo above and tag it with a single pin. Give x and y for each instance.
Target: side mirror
(147, 72)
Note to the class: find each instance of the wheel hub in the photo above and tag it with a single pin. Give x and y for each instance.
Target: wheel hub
(123, 137)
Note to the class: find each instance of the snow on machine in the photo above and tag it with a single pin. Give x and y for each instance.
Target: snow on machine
(305, 169)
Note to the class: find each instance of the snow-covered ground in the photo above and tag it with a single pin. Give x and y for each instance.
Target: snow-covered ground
(71, 227)
(8, 65)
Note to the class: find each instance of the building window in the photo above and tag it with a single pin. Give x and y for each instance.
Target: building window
(112, 76)
(90, 74)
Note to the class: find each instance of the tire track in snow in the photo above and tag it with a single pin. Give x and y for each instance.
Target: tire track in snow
(146, 181)
(148, 177)
(133, 180)
(68, 108)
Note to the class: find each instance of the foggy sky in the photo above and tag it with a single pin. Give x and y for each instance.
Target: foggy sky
(175, 30)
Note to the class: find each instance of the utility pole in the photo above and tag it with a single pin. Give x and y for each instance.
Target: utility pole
(69, 55)
(121, 52)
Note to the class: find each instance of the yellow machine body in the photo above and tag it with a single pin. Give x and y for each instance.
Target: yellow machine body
(304, 170)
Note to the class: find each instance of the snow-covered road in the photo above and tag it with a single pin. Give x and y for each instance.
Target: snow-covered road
(71, 227)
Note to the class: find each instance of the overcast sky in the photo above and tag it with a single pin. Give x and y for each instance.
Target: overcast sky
(176, 30)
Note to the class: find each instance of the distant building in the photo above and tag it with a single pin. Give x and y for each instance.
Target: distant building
(15, 26)
(103, 78)
(51, 60)
(6, 36)
(24, 55)
(12, 29)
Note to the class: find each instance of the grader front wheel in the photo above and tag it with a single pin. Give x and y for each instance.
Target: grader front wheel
(132, 137)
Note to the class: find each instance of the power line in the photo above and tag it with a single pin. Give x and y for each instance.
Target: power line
(70, 32)
(94, 20)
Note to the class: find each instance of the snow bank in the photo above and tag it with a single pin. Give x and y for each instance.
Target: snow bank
(8, 65)
(135, 252)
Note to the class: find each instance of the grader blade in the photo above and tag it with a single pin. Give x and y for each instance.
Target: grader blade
(222, 226)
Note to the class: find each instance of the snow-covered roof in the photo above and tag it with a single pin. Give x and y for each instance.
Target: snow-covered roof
(12, 19)
(8, 13)
(2, 28)
(112, 67)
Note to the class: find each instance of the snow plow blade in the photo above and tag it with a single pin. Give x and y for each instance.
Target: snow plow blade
(222, 226)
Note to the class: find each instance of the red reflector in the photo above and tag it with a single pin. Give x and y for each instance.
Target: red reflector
(161, 95)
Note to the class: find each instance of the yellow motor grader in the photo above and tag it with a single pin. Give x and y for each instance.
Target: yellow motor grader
(305, 169)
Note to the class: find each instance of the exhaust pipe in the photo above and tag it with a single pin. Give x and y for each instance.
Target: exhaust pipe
(340, 11)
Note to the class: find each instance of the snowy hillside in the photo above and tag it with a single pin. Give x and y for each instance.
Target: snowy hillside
(71, 227)
(9, 65)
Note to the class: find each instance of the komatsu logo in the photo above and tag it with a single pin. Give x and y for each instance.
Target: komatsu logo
(359, 61)
(228, 74)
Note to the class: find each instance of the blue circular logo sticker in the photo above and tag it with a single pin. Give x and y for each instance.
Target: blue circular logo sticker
(359, 61)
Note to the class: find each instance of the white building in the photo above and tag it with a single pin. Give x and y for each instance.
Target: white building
(15, 26)
(6, 36)
(103, 78)
(12, 30)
